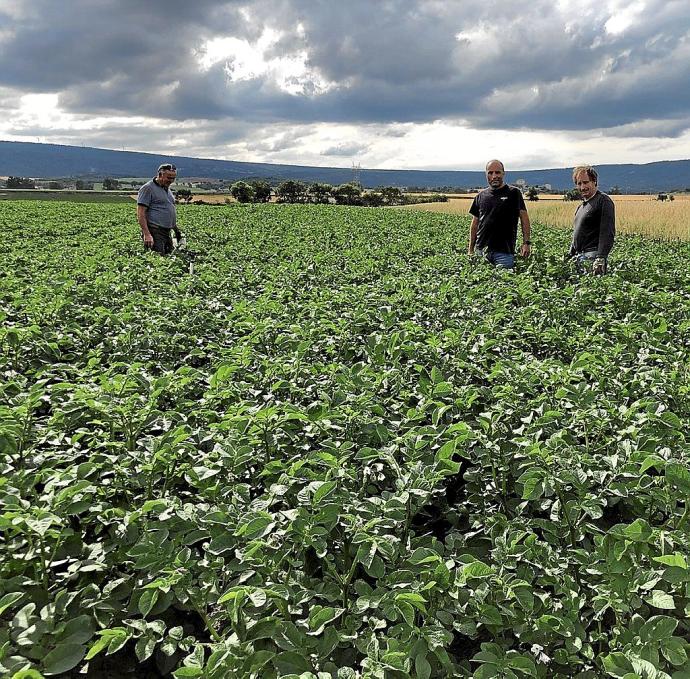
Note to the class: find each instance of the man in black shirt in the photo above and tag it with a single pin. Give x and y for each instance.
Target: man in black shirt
(495, 213)
(594, 226)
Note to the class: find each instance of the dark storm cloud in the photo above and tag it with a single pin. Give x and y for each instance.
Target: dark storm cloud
(53, 46)
(498, 65)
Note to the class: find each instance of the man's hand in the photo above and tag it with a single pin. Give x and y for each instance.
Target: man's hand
(526, 249)
(147, 238)
(599, 266)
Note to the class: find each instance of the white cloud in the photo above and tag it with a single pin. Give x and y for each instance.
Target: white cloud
(624, 16)
(244, 60)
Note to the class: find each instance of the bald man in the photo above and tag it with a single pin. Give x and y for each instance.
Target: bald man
(495, 214)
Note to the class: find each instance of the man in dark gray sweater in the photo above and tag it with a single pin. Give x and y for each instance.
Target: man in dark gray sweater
(594, 226)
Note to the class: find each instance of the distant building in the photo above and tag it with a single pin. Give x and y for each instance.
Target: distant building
(521, 183)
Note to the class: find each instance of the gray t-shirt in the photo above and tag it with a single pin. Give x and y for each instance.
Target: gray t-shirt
(159, 204)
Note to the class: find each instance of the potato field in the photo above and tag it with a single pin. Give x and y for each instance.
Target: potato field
(341, 449)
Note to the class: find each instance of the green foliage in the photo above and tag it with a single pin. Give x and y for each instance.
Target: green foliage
(110, 184)
(242, 192)
(416, 198)
(292, 191)
(372, 199)
(20, 183)
(392, 195)
(342, 448)
(184, 195)
(262, 190)
(348, 194)
(320, 193)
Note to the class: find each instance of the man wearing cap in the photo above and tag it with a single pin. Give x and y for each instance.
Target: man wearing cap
(495, 213)
(594, 226)
(156, 212)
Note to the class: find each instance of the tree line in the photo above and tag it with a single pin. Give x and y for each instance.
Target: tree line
(296, 191)
(55, 185)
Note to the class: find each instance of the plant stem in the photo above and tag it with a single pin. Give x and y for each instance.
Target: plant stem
(207, 621)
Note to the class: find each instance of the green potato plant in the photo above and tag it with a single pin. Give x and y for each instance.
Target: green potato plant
(341, 449)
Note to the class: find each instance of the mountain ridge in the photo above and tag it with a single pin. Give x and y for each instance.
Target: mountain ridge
(35, 159)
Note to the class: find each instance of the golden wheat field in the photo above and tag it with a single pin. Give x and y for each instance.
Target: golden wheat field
(634, 214)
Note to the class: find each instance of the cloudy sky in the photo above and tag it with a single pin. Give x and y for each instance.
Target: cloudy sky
(423, 84)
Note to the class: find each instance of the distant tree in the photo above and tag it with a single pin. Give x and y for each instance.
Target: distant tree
(372, 199)
(292, 191)
(670, 197)
(183, 195)
(571, 194)
(81, 185)
(20, 183)
(615, 190)
(320, 193)
(56, 186)
(110, 184)
(532, 193)
(348, 194)
(262, 190)
(392, 195)
(662, 197)
(242, 192)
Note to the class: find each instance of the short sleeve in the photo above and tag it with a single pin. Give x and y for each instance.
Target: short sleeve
(144, 196)
(521, 200)
(474, 208)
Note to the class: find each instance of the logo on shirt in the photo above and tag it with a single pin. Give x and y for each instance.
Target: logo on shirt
(504, 197)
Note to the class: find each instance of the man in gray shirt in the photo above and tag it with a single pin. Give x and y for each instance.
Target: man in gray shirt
(156, 212)
(594, 226)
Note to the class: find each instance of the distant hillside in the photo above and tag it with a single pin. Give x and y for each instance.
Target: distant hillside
(51, 161)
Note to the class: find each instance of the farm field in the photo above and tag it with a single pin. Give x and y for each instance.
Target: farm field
(341, 449)
(634, 214)
(210, 198)
(64, 196)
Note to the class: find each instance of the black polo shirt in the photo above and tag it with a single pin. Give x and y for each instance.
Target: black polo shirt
(498, 212)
